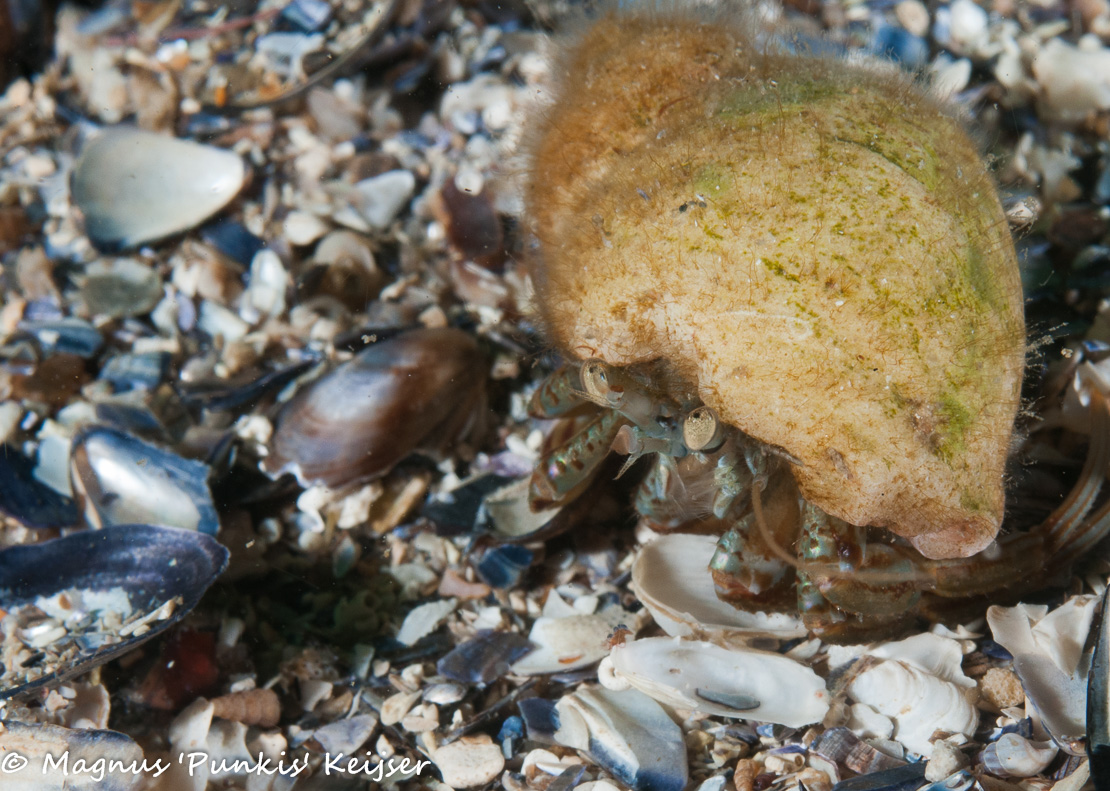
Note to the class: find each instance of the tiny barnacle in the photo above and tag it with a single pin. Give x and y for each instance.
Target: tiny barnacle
(821, 349)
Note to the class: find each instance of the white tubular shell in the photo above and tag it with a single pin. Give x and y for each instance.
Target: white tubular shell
(918, 702)
(1014, 756)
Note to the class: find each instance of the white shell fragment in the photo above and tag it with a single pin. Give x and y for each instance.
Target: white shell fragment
(424, 620)
(346, 736)
(671, 577)
(266, 287)
(1074, 81)
(730, 682)
(135, 186)
(566, 639)
(628, 734)
(1048, 648)
(919, 684)
(471, 761)
(510, 512)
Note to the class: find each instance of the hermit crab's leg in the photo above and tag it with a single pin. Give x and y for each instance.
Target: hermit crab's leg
(731, 480)
(560, 473)
(558, 394)
(1068, 533)
(1015, 560)
(847, 585)
(749, 569)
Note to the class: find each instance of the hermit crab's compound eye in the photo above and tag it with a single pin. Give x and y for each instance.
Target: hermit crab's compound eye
(701, 430)
(595, 381)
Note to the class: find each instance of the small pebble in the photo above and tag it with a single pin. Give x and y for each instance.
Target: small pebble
(913, 16)
(302, 228)
(313, 691)
(380, 199)
(452, 584)
(421, 719)
(346, 735)
(1001, 688)
(1075, 81)
(947, 759)
(444, 694)
(961, 26)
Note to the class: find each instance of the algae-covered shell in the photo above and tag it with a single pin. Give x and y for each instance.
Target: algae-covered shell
(814, 247)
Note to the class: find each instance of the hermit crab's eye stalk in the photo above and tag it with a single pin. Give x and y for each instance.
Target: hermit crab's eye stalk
(702, 431)
(609, 387)
(595, 381)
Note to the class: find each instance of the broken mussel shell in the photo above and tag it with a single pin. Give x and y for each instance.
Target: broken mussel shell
(26, 499)
(627, 733)
(496, 506)
(135, 186)
(1098, 700)
(80, 601)
(1052, 663)
(44, 745)
(124, 480)
(417, 390)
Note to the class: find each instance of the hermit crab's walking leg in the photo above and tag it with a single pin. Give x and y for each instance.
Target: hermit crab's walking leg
(848, 585)
(1069, 534)
(752, 567)
(559, 474)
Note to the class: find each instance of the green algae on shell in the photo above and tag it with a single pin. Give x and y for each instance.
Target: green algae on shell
(814, 247)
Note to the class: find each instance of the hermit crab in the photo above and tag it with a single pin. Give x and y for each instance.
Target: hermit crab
(790, 282)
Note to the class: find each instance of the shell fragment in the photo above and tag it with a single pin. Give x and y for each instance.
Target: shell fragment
(729, 682)
(135, 186)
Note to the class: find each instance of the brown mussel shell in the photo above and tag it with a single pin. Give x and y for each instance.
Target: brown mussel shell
(416, 390)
